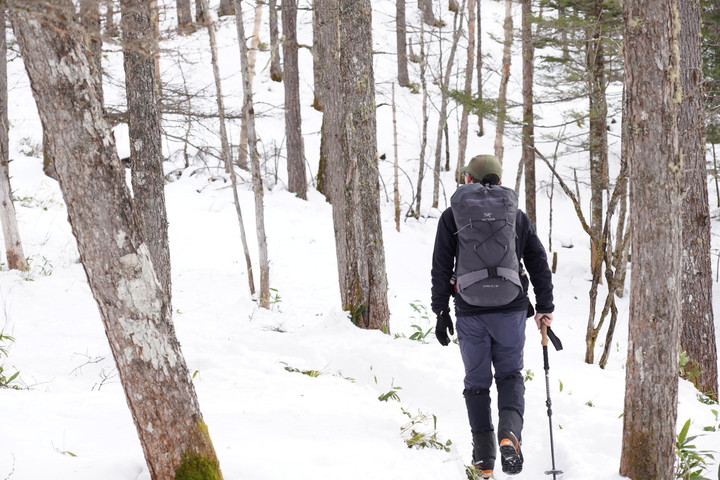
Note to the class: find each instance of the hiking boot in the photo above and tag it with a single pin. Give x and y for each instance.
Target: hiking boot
(485, 468)
(510, 454)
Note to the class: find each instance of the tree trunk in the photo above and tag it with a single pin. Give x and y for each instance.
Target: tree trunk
(528, 128)
(650, 416)
(226, 8)
(132, 304)
(145, 132)
(401, 38)
(478, 57)
(396, 186)
(90, 20)
(225, 148)
(356, 196)
(297, 182)
(462, 143)
(13, 246)
(504, 79)
(200, 15)
(698, 331)
(428, 14)
(252, 53)
(598, 144)
(184, 14)
(423, 141)
(254, 159)
(326, 55)
(276, 73)
(443, 108)
(111, 28)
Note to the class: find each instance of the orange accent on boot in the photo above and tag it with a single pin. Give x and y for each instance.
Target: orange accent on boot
(509, 442)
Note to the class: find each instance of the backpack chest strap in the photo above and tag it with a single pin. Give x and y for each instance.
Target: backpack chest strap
(464, 281)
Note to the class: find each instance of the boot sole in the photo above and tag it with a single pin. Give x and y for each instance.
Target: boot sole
(512, 461)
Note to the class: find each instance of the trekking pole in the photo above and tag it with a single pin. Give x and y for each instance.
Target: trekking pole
(547, 333)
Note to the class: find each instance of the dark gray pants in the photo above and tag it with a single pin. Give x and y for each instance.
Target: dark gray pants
(493, 341)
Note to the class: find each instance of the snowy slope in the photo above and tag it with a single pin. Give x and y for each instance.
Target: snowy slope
(267, 419)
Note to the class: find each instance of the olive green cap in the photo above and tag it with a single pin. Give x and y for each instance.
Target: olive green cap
(481, 165)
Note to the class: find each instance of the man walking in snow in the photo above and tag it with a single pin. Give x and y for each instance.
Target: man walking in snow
(481, 240)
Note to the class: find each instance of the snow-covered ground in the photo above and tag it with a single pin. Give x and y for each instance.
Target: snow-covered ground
(292, 392)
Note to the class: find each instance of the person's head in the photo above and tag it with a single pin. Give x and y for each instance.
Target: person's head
(485, 169)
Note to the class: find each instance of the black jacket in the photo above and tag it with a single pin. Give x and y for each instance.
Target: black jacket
(529, 251)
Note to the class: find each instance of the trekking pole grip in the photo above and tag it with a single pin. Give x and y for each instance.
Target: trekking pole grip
(543, 331)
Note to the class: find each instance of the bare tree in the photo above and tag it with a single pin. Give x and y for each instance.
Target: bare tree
(326, 52)
(297, 182)
(254, 159)
(145, 132)
(200, 14)
(355, 178)
(254, 43)
(121, 275)
(11, 233)
(276, 73)
(226, 8)
(698, 331)
(225, 147)
(504, 79)
(528, 124)
(442, 122)
(428, 15)
(184, 15)
(479, 59)
(651, 385)
(401, 39)
(469, 64)
(423, 142)
(111, 28)
(90, 20)
(597, 135)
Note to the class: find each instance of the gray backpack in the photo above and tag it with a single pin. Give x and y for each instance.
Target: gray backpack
(487, 267)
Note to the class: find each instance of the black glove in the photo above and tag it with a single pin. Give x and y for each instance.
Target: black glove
(443, 325)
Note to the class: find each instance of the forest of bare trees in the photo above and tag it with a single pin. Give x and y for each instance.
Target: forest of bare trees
(619, 60)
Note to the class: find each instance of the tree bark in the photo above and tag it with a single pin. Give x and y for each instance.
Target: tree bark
(598, 143)
(254, 159)
(424, 139)
(479, 59)
(297, 182)
(326, 55)
(698, 331)
(145, 132)
(11, 233)
(652, 76)
(226, 8)
(401, 40)
(469, 64)
(276, 73)
(184, 14)
(443, 107)
(356, 196)
(504, 79)
(252, 52)
(90, 20)
(111, 28)
(200, 15)
(528, 126)
(428, 14)
(132, 304)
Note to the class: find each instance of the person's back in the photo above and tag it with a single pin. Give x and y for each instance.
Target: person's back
(471, 260)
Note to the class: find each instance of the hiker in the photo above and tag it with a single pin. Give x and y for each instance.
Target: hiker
(481, 239)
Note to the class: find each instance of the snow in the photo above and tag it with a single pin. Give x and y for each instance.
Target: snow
(267, 419)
